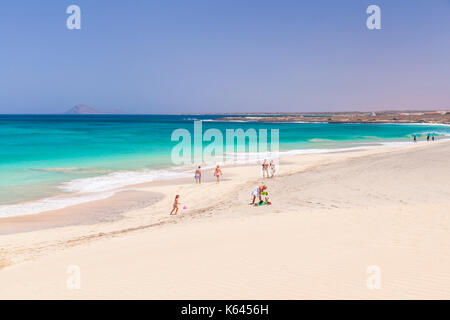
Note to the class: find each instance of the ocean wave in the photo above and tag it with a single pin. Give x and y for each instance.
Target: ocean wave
(431, 132)
(255, 157)
(73, 170)
(84, 190)
(89, 189)
(320, 140)
(418, 124)
(225, 121)
(117, 180)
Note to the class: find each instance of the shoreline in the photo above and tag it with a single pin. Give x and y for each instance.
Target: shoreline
(65, 200)
(111, 195)
(370, 202)
(264, 120)
(381, 117)
(235, 175)
(89, 213)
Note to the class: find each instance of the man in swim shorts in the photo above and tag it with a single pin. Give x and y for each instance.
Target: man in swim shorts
(198, 175)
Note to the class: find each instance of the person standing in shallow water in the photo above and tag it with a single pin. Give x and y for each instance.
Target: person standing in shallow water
(198, 175)
(415, 138)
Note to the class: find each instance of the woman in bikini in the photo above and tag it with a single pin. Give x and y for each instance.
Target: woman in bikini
(176, 203)
(218, 173)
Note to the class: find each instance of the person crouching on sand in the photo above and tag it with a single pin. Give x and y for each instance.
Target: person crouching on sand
(257, 193)
(218, 173)
(176, 203)
(198, 175)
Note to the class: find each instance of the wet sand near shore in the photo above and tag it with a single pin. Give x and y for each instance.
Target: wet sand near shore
(94, 212)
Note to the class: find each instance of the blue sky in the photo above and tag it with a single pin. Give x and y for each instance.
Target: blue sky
(181, 56)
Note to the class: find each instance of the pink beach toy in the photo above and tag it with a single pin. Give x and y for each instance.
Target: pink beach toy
(184, 208)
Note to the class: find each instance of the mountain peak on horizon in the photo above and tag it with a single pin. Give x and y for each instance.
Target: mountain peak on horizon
(82, 109)
(85, 109)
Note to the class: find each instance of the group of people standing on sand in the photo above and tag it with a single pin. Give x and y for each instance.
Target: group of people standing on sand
(256, 193)
(198, 174)
(266, 166)
(428, 138)
(198, 180)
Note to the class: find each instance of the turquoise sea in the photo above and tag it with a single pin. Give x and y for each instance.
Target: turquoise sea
(46, 155)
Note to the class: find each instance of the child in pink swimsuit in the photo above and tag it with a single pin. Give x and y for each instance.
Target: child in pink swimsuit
(176, 202)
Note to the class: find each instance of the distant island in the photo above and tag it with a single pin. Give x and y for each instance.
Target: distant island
(84, 109)
(349, 117)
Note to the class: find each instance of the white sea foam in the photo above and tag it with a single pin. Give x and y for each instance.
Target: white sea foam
(218, 120)
(101, 187)
(255, 157)
(117, 180)
(437, 124)
(89, 189)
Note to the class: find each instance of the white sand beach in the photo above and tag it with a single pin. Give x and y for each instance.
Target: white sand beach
(333, 216)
